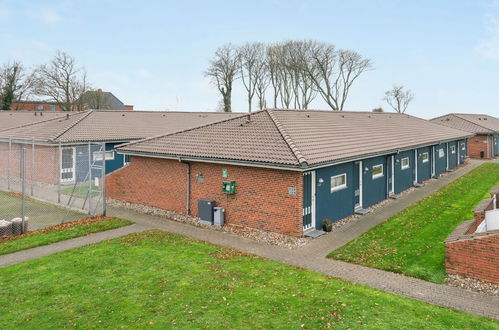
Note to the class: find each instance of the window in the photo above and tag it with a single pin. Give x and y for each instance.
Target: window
(98, 155)
(377, 171)
(52, 108)
(441, 153)
(452, 149)
(404, 163)
(463, 146)
(39, 107)
(425, 157)
(338, 182)
(126, 159)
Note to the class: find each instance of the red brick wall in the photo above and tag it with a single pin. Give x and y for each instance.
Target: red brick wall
(476, 145)
(261, 200)
(46, 163)
(474, 258)
(34, 106)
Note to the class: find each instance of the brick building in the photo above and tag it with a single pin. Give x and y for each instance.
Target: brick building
(485, 141)
(287, 170)
(472, 251)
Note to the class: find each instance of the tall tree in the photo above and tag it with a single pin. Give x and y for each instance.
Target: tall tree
(398, 98)
(273, 66)
(252, 68)
(223, 71)
(63, 81)
(333, 71)
(15, 84)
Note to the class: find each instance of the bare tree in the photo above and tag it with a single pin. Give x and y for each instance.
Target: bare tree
(262, 76)
(223, 71)
(398, 99)
(63, 81)
(252, 68)
(273, 67)
(15, 84)
(333, 71)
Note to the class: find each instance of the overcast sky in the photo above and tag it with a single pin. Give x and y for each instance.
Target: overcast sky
(152, 54)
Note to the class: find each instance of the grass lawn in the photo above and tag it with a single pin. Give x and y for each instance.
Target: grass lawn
(155, 279)
(59, 233)
(412, 242)
(80, 191)
(40, 214)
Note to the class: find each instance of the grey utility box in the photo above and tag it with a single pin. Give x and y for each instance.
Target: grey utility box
(205, 210)
(218, 216)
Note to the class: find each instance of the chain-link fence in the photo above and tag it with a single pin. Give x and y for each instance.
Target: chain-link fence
(45, 185)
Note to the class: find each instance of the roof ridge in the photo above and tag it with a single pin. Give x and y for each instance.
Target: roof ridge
(71, 126)
(35, 123)
(184, 130)
(287, 138)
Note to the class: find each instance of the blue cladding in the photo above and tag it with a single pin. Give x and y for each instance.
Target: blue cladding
(463, 150)
(404, 177)
(424, 167)
(496, 144)
(118, 161)
(374, 189)
(440, 158)
(338, 204)
(453, 154)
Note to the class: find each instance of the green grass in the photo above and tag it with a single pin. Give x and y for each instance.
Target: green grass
(40, 214)
(80, 191)
(155, 279)
(412, 242)
(44, 238)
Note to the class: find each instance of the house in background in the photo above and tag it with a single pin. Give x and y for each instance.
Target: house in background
(69, 143)
(485, 129)
(94, 99)
(286, 171)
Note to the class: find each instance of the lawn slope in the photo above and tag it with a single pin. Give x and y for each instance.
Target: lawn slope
(159, 280)
(412, 242)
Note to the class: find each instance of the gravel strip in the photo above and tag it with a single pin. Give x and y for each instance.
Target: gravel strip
(473, 285)
(250, 233)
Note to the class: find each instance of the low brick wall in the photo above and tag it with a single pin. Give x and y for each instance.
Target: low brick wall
(261, 201)
(474, 255)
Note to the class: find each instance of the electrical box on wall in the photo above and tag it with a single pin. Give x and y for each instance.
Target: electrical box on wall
(229, 187)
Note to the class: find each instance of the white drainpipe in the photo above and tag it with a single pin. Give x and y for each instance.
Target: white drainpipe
(415, 165)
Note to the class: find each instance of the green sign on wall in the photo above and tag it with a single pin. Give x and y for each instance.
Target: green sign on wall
(225, 173)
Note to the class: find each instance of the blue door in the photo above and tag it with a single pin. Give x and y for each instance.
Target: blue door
(463, 151)
(424, 164)
(335, 192)
(453, 161)
(404, 170)
(374, 181)
(440, 158)
(307, 199)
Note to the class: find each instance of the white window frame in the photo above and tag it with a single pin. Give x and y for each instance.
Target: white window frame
(340, 187)
(441, 153)
(97, 155)
(463, 146)
(125, 163)
(408, 165)
(452, 149)
(425, 155)
(379, 175)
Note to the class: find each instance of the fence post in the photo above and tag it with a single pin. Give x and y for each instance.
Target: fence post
(103, 180)
(9, 163)
(23, 192)
(32, 165)
(89, 194)
(59, 172)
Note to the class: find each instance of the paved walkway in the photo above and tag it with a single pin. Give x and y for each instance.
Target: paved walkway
(312, 256)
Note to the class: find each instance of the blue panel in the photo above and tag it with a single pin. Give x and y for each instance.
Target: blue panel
(440, 158)
(424, 168)
(452, 155)
(496, 144)
(338, 204)
(404, 178)
(117, 162)
(463, 150)
(374, 189)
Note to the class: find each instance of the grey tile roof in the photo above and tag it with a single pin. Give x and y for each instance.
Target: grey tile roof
(112, 125)
(298, 137)
(474, 123)
(11, 119)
